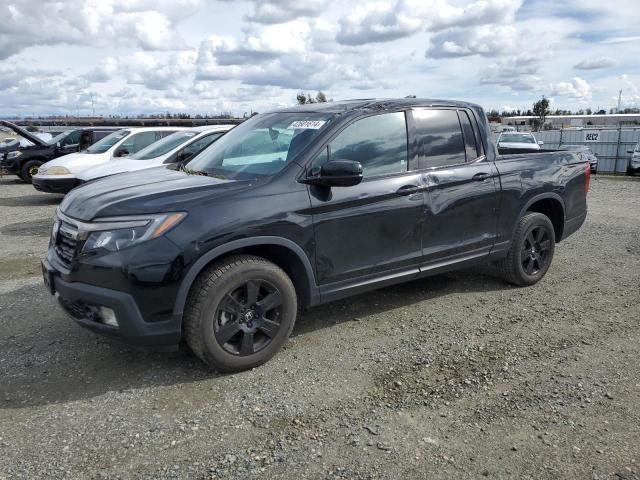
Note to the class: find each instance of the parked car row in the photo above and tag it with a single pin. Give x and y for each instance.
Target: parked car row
(32, 152)
(80, 155)
(290, 209)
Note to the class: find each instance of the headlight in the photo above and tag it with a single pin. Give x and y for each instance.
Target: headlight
(55, 171)
(14, 154)
(115, 234)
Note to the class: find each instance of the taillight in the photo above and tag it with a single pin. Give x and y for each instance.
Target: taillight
(587, 178)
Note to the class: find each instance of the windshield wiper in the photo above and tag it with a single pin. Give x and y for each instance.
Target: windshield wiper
(190, 171)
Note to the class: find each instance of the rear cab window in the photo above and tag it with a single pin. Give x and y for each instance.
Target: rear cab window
(437, 139)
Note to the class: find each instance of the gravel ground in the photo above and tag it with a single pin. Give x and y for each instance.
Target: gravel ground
(455, 376)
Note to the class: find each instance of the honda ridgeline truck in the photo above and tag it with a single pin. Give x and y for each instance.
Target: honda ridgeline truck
(300, 207)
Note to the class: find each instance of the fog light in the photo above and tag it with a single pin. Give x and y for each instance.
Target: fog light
(107, 316)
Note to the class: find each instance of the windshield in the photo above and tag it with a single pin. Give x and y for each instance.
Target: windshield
(163, 146)
(107, 142)
(261, 146)
(516, 138)
(58, 138)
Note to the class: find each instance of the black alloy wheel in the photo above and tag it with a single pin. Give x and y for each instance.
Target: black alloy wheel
(535, 250)
(531, 251)
(240, 312)
(248, 317)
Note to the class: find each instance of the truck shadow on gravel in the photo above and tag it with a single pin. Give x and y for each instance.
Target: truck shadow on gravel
(31, 200)
(45, 358)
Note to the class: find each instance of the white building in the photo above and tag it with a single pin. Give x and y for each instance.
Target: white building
(568, 121)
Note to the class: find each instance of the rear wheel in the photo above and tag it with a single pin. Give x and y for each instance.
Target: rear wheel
(239, 313)
(29, 169)
(531, 251)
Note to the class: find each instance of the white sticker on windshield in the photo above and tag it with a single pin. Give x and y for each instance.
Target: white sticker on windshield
(306, 125)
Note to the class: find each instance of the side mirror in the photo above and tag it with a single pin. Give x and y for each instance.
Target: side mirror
(337, 173)
(121, 152)
(540, 142)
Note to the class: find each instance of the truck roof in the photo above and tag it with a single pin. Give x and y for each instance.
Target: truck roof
(369, 104)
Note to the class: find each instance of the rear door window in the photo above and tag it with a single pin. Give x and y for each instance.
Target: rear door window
(437, 138)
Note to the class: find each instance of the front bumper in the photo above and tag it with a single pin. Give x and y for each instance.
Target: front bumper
(53, 184)
(80, 301)
(7, 167)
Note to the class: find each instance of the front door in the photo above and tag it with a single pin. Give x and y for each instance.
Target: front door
(374, 228)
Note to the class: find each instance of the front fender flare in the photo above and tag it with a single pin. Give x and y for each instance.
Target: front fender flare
(207, 258)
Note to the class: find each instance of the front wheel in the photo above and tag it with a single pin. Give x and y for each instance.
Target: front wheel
(531, 251)
(29, 170)
(239, 313)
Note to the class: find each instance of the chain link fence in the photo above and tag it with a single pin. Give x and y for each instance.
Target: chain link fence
(609, 144)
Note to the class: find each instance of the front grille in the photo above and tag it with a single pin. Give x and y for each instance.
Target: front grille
(75, 309)
(66, 242)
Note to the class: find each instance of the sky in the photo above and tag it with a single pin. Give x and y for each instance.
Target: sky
(128, 57)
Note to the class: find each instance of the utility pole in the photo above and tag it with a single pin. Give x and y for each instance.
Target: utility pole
(619, 100)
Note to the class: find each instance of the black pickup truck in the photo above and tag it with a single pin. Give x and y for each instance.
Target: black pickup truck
(24, 161)
(300, 207)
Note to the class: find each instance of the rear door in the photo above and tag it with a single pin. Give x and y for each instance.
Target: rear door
(373, 228)
(462, 197)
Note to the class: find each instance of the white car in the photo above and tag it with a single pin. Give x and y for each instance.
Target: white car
(61, 175)
(634, 162)
(518, 141)
(179, 147)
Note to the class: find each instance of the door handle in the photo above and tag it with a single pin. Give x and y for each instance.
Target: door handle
(479, 177)
(408, 190)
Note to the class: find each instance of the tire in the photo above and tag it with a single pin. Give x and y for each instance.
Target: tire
(531, 251)
(29, 169)
(630, 172)
(227, 323)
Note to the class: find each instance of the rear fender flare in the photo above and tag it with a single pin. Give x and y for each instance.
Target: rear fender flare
(537, 198)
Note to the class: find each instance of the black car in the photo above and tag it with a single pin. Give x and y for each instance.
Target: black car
(300, 207)
(587, 154)
(24, 161)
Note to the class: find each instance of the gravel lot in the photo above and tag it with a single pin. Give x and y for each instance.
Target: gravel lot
(455, 376)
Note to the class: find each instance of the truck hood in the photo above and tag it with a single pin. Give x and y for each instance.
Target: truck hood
(121, 165)
(76, 162)
(24, 133)
(155, 190)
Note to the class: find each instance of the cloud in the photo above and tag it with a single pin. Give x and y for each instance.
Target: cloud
(286, 56)
(519, 73)
(142, 68)
(282, 11)
(104, 23)
(624, 39)
(481, 12)
(376, 22)
(487, 41)
(595, 63)
(577, 89)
